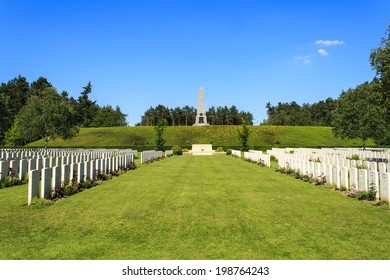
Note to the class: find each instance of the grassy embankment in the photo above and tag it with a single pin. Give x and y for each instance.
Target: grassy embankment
(262, 137)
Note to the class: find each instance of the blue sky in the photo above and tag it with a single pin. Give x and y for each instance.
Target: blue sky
(141, 53)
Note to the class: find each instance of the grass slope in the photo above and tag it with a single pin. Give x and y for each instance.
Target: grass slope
(225, 136)
(195, 208)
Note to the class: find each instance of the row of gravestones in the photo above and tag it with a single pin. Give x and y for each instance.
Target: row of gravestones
(236, 153)
(258, 156)
(7, 154)
(312, 164)
(332, 159)
(168, 153)
(379, 155)
(344, 177)
(43, 182)
(19, 167)
(253, 155)
(147, 156)
(369, 165)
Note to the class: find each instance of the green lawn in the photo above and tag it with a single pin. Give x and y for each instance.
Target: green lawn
(210, 207)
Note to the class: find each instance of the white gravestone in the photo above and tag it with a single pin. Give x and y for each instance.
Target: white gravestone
(373, 181)
(56, 178)
(373, 165)
(33, 185)
(353, 181)
(14, 164)
(80, 172)
(65, 174)
(32, 163)
(336, 176)
(23, 169)
(92, 169)
(3, 170)
(363, 182)
(385, 187)
(344, 177)
(46, 162)
(328, 173)
(73, 171)
(382, 167)
(45, 183)
(317, 169)
(87, 170)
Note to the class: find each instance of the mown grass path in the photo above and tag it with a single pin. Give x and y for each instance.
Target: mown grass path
(195, 208)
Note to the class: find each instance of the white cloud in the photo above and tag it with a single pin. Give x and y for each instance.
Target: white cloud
(329, 42)
(323, 52)
(306, 59)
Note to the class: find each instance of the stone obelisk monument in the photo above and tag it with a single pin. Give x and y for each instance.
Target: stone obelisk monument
(201, 118)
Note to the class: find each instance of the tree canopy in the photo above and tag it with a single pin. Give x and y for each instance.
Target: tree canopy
(359, 114)
(364, 112)
(186, 116)
(380, 62)
(47, 115)
(293, 114)
(17, 93)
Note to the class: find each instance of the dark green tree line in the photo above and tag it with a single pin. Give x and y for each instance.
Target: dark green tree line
(17, 93)
(186, 116)
(293, 114)
(359, 113)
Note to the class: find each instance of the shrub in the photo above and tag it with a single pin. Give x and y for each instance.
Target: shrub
(105, 177)
(290, 171)
(354, 157)
(319, 181)
(87, 184)
(273, 158)
(101, 176)
(363, 195)
(298, 175)
(25, 179)
(185, 150)
(131, 166)
(352, 192)
(10, 181)
(228, 152)
(177, 150)
(219, 150)
(305, 178)
(361, 166)
(69, 189)
(243, 136)
(372, 193)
